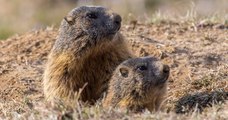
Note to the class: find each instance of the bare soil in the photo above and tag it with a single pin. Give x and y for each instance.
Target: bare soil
(196, 53)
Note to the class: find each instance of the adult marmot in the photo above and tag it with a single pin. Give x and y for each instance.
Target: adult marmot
(86, 52)
(138, 83)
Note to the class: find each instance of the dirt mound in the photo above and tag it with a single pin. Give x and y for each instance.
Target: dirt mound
(192, 52)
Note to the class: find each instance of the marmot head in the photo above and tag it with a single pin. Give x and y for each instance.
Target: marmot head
(96, 23)
(139, 79)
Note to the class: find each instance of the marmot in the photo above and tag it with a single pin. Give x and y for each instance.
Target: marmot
(88, 49)
(138, 84)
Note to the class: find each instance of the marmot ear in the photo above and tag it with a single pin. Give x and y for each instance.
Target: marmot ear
(124, 72)
(69, 19)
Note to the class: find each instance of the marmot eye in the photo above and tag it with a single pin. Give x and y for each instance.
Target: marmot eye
(91, 15)
(142, 68)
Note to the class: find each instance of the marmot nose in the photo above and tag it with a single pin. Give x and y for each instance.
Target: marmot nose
(165, 69)
(117, 20)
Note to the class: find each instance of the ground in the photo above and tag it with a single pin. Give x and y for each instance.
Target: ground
(197, 53)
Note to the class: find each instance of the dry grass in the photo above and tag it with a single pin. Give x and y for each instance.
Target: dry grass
(47, 111)
(20, 16)
(197, 85)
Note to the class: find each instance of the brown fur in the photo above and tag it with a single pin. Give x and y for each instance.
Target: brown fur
(135, 89)
(84, 54)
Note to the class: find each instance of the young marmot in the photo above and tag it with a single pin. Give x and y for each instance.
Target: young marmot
(85, 54)
(138, 84)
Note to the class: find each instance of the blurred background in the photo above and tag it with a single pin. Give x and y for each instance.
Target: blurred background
(19, 16)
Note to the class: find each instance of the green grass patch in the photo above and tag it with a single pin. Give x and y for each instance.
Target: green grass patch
(5, 33)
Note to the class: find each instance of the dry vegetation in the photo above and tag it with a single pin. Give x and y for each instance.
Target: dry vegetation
(194, 46)
(197, 53)
(19, 16)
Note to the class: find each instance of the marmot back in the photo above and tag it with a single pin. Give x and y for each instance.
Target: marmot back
(137, 84)
(88, 49)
